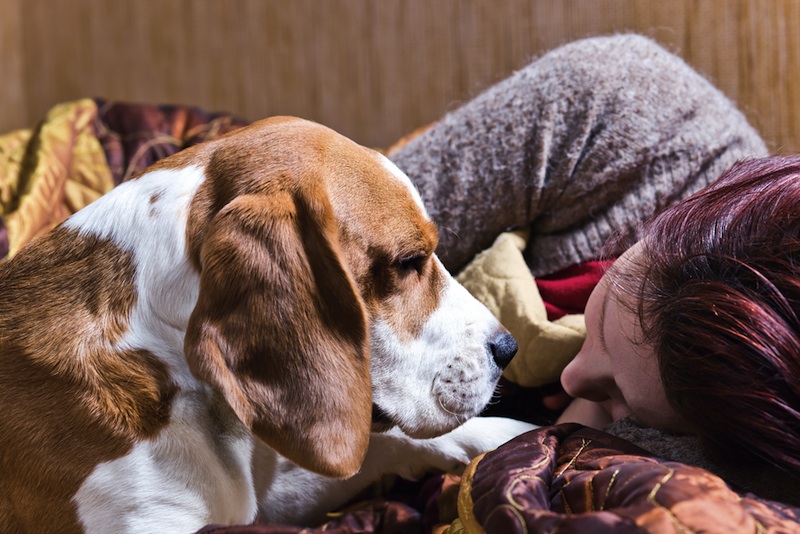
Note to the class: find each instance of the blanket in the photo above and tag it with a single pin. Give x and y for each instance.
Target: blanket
(570, 478)
(567, 478)
(83, 149)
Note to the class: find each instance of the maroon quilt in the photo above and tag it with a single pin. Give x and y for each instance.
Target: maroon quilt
(565, 479)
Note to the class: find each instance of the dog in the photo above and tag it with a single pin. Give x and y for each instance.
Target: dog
(226, 336)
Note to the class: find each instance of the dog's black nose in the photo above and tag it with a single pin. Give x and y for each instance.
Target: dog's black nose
(503, 347)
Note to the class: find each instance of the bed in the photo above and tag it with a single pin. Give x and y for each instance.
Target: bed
(559, 478)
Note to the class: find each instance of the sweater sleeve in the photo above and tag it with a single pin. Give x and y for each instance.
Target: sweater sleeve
(588, 141)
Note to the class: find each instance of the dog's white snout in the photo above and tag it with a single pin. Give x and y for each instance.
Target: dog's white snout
(459, 372)
(458, 387)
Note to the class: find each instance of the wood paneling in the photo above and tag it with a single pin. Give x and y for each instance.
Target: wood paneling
(371, 69)
(13, 99)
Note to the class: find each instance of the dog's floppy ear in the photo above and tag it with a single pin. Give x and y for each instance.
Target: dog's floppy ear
(280, 330)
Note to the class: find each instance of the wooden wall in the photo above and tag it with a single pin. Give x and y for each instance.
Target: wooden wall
(373, 69)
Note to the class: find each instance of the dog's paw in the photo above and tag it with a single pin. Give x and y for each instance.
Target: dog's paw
(411, 458)
(481, 434)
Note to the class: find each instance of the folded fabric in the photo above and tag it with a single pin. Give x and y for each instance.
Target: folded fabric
(502, 281)
(49, 173)
(135, 135)
(567, 291)
(570, 478)
(83, 149)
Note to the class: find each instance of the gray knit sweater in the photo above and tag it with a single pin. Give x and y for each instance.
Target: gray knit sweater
(593, 138)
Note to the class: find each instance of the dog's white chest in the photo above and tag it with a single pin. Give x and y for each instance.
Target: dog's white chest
(195, 472)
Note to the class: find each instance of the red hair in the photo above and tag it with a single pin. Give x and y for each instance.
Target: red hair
(718, 300)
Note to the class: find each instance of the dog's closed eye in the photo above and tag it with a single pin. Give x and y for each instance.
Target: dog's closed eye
(414, 262)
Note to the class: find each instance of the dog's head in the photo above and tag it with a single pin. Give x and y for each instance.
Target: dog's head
(323, 311)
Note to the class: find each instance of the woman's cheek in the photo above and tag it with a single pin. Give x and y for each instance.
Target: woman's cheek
(618, 410)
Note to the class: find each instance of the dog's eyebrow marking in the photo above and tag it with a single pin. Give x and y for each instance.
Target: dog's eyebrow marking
(400, 175)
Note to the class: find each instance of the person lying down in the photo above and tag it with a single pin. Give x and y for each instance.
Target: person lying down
(692, 345)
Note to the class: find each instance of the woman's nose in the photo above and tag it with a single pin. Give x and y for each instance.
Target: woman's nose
(588, 376)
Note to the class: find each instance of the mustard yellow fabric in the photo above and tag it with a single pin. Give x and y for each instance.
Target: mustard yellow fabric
(501, 280)
(50, 172)
(466, 523)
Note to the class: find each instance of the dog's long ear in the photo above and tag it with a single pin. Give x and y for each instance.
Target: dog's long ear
(281, 331)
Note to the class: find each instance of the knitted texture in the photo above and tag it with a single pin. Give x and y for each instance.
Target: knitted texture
(765, 481)
(589, 140)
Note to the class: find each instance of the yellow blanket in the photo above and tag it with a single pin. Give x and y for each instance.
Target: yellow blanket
(500, 278)
(50, 172)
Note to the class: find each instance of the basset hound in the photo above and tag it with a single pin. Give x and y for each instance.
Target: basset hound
(257, 326)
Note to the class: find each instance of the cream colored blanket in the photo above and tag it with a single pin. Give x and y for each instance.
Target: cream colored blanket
(500, 278)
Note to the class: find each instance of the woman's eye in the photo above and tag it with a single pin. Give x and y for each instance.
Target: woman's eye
(411, 263)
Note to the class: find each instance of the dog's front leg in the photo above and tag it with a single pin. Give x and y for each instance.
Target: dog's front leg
(294, 496)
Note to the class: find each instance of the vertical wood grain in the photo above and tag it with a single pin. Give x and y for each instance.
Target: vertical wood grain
(13, 97)
(371, 69)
